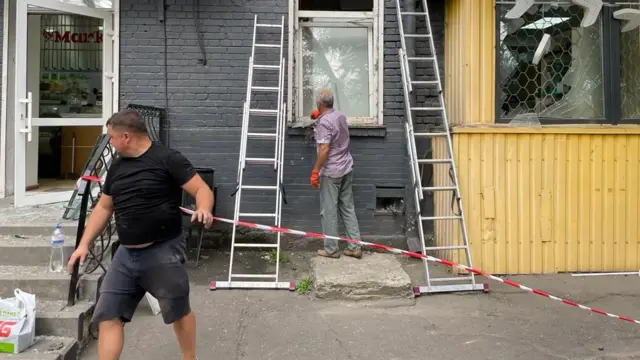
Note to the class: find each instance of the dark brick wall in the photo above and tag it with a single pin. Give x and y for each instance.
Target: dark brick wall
(205, 106)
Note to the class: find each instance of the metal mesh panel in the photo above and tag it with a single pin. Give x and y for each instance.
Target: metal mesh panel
(567, 83)
(630, 68)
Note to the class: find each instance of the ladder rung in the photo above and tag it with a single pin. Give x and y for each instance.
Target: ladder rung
(427, 108)
(265, 161)
(247, 245)
(269, 112)
(421, 58)
(267, 136)
(269, 25)
(425, 82)
(267, 67)
(259, 187)
(417, 35)
(430, 134)
(257, 276)
(423, 218)
(439, 188)
(257, 215)
(433, 161)
(267, 45)
(265, 88)
(451, 279)
(413, 13)
(446, 247)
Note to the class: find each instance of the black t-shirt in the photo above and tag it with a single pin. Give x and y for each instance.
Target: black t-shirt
(147, 193)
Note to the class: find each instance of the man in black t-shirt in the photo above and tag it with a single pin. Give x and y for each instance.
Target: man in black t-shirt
(144, 189)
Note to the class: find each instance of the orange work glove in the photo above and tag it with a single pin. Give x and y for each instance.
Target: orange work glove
(314, 179)
(314, 114)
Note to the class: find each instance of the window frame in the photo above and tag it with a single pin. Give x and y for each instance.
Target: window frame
(611, 67)
(373, 21)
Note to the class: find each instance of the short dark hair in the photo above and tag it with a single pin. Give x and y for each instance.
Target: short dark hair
(128, 119)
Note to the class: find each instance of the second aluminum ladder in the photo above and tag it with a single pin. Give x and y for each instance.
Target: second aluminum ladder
(272, 132)
(430, 62)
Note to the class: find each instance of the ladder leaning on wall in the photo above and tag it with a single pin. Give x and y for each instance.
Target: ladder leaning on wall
(409, 80)
(256, 117)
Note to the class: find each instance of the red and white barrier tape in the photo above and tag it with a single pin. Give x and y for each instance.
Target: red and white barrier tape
(419, 256)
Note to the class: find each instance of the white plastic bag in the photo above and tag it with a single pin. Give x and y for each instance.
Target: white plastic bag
(17, 322)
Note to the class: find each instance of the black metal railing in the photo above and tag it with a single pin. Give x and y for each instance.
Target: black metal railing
(155, 119)
(97, 165)
(84, 191)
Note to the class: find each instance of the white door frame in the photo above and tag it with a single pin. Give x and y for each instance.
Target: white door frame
(24, 121)
(3, 101)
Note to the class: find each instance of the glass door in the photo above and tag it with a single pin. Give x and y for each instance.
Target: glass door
(63, 94)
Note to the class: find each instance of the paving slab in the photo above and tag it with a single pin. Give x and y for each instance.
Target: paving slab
(375, 276)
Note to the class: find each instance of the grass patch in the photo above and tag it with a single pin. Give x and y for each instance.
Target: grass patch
(272, 254)
(305, 286)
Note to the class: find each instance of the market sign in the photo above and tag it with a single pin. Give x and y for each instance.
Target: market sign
(95, 37)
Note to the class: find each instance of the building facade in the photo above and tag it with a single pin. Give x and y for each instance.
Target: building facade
(547, 154)
(546, 150)
(204, 99)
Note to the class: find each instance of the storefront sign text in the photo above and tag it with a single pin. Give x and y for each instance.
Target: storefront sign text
(69, 37)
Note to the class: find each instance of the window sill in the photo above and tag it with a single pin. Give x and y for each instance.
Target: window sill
(624, 129)
(355, 130)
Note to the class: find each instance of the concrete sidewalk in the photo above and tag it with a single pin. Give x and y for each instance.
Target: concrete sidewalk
(504, 324)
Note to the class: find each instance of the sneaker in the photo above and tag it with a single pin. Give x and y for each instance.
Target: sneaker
(334, 255)
(353, 253)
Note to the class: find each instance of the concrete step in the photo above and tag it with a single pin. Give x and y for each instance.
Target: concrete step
(55, 318)
(374, 277)
(35, 220)
(43, 229)
(44, 284)
(33, 250)
(48, 348)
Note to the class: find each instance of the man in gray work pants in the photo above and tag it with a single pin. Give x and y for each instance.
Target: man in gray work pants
(333, 175)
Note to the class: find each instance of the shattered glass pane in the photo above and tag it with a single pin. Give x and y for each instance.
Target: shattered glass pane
(336, 58)
(568, 82)
(630, 71)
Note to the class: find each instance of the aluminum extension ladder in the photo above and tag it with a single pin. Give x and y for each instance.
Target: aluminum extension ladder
(431, 61)
(260, 281)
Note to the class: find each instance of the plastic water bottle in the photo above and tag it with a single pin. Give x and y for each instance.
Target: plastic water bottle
(57, 254)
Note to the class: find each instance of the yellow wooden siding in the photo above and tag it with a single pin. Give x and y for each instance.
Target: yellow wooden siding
(545, 203)
(469, 61)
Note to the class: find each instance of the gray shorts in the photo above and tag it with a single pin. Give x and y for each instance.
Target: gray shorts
(158, 269)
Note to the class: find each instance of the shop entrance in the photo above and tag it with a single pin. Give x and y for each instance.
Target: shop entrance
(63, 94)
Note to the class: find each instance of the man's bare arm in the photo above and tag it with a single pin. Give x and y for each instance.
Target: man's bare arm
(197, 188)
(98, 219)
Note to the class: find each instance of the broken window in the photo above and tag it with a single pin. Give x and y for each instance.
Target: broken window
(568, 80)
(335, 48)
(337, 58)
(630, 70)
